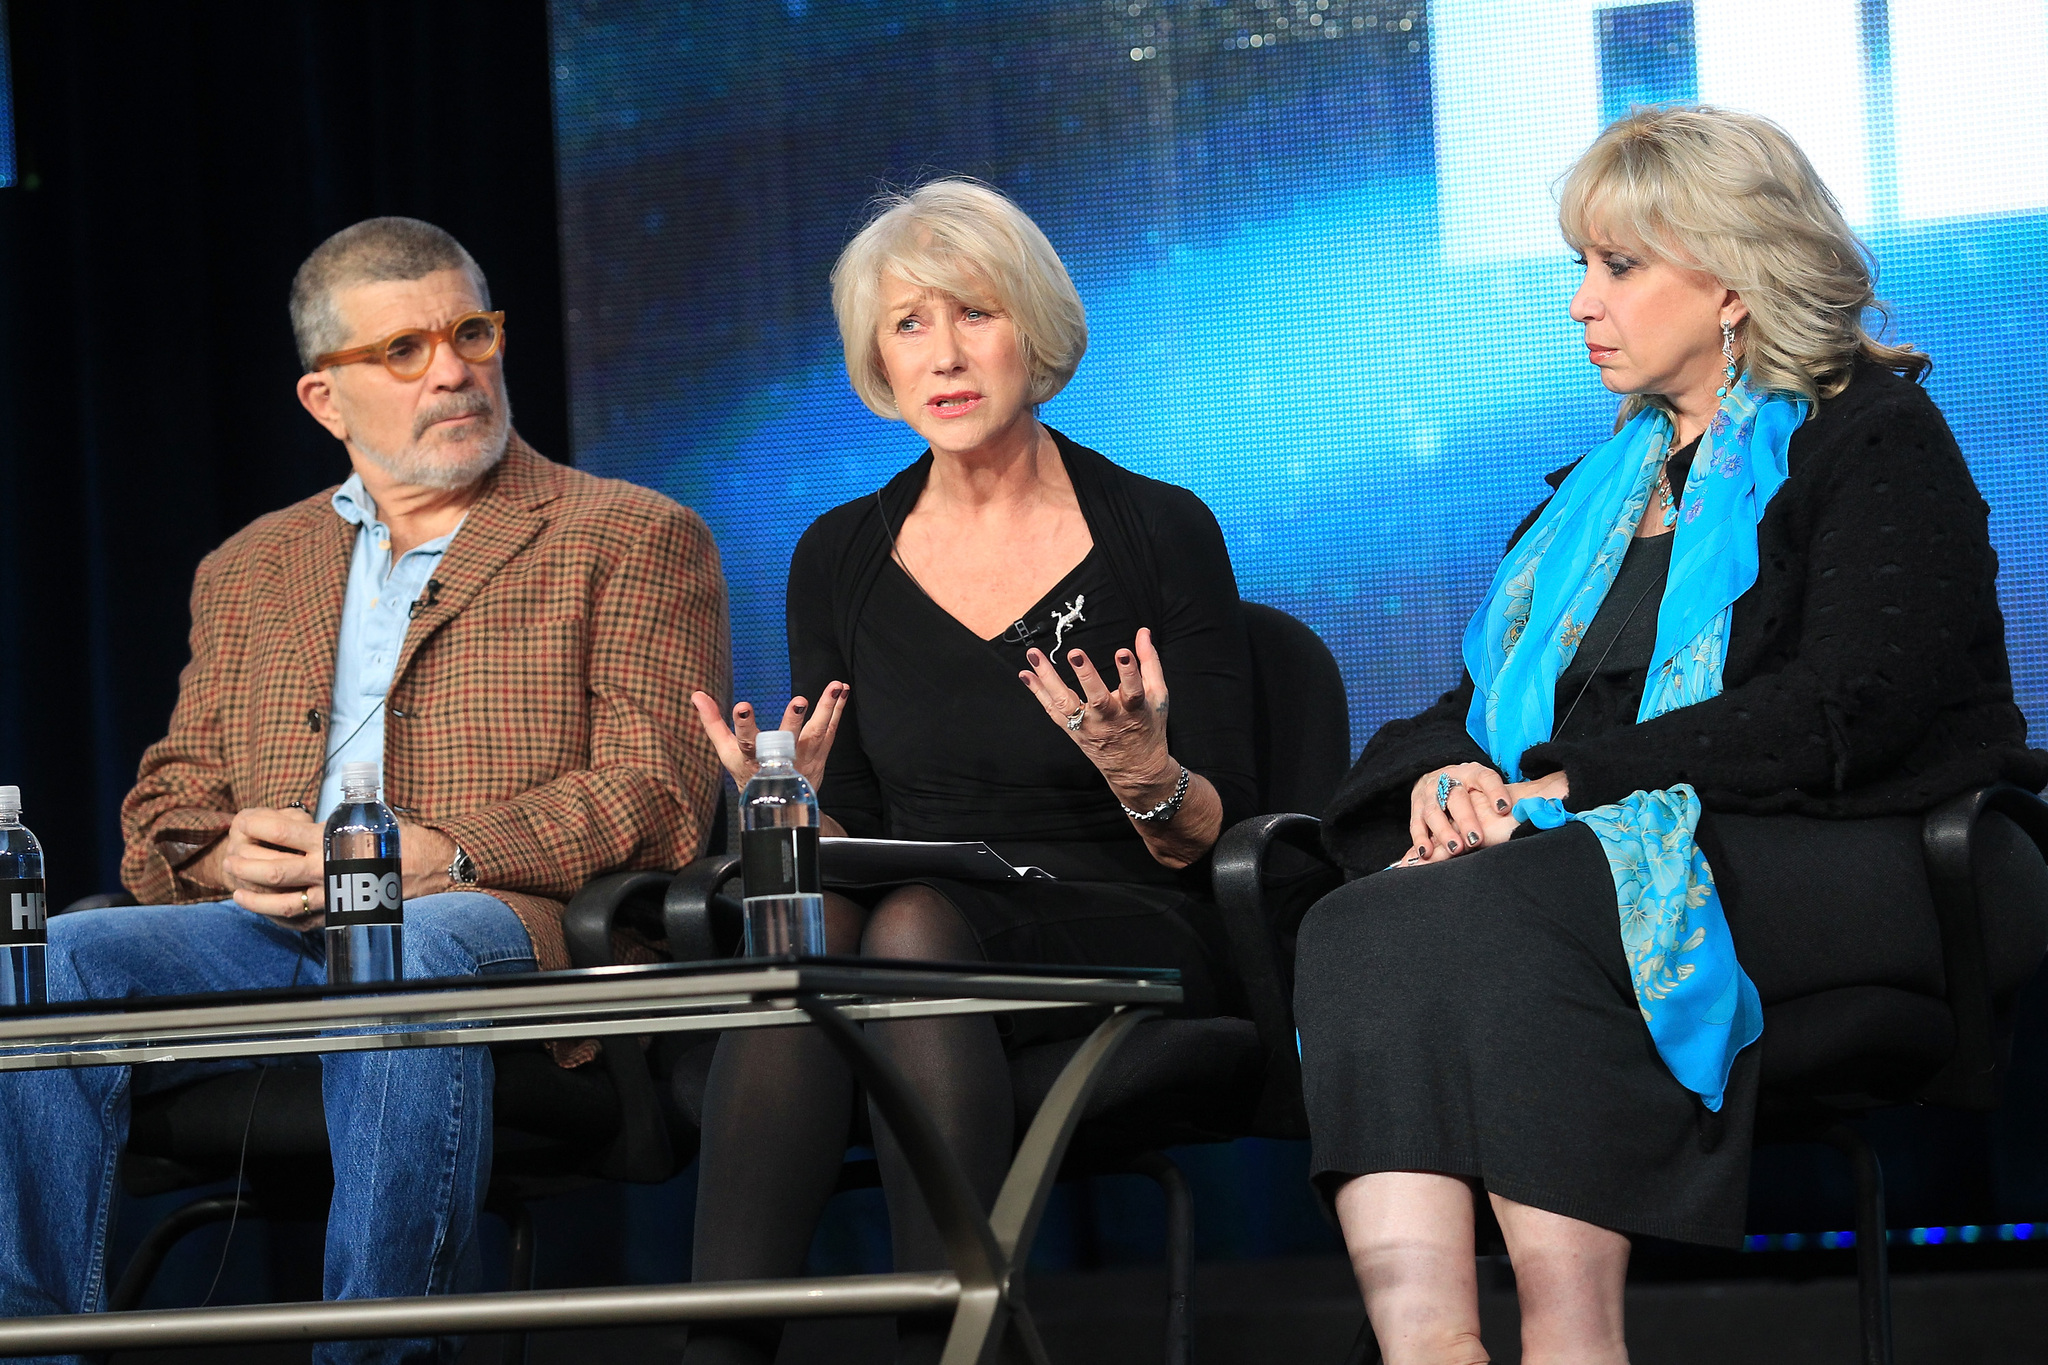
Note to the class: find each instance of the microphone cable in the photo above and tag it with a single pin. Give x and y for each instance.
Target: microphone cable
(242, 1161)
(433, 591)
(312, 786)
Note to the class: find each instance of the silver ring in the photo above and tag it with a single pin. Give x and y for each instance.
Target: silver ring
(1444, 783)
(1074, 721)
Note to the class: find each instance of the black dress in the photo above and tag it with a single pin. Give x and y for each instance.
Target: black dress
(1476, 1017)
(940, 740)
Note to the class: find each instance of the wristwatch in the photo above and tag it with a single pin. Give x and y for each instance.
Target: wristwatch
(1168, 808)
(461, 869)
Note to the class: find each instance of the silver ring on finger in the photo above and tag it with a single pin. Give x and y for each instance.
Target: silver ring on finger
(1074, 721)
(1444, 783)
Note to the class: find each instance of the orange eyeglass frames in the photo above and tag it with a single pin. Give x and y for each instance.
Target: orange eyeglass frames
(473, 336)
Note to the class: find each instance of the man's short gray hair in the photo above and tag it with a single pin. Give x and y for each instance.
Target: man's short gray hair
(371, 251)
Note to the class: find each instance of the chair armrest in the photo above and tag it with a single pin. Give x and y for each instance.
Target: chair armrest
(607, 903)
(641, 1151)
(1971, 1078)
(1239, 872)
(702, 922)
(1241, 876)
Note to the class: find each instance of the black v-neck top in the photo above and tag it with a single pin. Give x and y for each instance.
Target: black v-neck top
(1602, 686)
(942, 741)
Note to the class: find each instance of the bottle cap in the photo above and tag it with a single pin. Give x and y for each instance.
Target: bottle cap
(775, 746)
(10, 800)
(357, 776)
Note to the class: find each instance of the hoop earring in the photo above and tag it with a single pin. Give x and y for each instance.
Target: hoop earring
(1727, 357)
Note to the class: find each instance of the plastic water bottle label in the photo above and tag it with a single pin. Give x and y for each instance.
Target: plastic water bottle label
(23, 917)
(364, 891)
(779, 862)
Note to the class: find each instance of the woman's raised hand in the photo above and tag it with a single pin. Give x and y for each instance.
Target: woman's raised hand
(735, 743)
(1122, 729)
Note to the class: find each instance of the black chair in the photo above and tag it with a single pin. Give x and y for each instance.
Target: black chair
(1831, 1057)
(1826, 1058)
(1174, 1081)
(554, 1129)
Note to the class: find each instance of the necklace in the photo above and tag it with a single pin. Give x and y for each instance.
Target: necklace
(1664, 483)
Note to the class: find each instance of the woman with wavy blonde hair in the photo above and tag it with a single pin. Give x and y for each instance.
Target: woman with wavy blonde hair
(1721, 671)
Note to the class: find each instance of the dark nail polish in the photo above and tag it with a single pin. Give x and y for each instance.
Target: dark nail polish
(1451, 844)
(1472, 839)
(1501, 806)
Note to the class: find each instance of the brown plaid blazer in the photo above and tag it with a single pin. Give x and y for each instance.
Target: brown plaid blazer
(539, 714)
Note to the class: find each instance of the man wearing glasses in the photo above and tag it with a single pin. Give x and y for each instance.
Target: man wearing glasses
(513, 642)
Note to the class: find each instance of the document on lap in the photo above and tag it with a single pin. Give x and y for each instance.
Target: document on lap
(876, 862)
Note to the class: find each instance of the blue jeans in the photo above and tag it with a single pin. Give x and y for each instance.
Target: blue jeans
(410, 1129)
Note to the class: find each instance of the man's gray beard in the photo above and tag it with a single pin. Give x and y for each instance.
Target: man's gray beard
(424, 467)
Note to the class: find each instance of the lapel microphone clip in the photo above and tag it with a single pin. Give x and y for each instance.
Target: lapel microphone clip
(425, 601)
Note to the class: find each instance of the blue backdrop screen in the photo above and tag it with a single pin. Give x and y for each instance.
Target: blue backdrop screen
(1316, 241)
(6, 106)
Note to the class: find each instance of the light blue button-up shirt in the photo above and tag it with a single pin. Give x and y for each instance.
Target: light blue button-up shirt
(374, 616)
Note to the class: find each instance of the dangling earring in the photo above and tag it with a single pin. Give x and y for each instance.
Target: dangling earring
(1727, 357)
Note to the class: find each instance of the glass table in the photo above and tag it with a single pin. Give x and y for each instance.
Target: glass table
(983, 1287)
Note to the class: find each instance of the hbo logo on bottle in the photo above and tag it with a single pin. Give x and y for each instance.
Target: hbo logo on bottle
(362, 893)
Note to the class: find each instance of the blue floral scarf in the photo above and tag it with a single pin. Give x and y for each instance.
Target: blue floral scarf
(1700, 1005)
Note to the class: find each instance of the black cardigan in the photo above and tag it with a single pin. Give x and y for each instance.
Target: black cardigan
(1167, 557)
(1866, 671)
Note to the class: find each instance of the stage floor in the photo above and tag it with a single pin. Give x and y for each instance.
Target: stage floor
(1304, 1312)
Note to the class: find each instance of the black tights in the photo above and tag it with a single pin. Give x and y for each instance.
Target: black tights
(779, 1107)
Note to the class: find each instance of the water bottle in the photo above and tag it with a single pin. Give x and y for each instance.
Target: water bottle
(24, 929)
(785, 902)
(365, 884)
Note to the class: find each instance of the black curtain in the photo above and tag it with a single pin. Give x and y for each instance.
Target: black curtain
(178, 159)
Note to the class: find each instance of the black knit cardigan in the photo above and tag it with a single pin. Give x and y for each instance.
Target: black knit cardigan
(1866, 671)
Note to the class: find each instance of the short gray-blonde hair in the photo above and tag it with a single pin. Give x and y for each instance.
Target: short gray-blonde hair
(369, 252)
(971, 243)
(1731, 194)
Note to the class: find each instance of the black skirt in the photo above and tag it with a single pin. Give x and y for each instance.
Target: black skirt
(1475, 1018)
(1093, 924)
